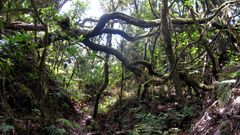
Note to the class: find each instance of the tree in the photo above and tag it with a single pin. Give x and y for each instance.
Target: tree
(179, 28)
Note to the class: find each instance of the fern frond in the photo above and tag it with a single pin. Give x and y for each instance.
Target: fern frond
(4, 128)
(53, 130)
(68, 123)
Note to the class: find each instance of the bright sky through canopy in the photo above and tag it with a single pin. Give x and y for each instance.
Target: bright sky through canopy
(93, 10)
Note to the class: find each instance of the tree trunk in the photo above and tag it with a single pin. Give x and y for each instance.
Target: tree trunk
(102, 88)
(170, 53)
(106, 78)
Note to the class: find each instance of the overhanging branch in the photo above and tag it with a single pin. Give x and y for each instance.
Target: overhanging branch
(148, 65)
(109, 50)
(124, 34)
(151, 23)
(129, 20)
(24, 26)
(121, 16)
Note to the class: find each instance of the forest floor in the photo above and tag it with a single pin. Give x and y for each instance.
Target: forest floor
(162, 115)
(150, 116)
(155, 115)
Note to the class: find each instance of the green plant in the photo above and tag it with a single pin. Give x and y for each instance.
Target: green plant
(224, 91)
(67, 123)
(106, 104)
(5, 128)
(153, 124)
(53, 130)
(93, 126)
(149, 124)
(144, 129)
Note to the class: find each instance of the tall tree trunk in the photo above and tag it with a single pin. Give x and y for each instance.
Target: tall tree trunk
(170, 53)
(106, 78)
(103, 86)
(122, 79)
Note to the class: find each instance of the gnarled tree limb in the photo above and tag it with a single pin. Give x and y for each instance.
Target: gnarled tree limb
(148, 65)
(118, 54)
(124, 34)
(152, 23)
(24, 26)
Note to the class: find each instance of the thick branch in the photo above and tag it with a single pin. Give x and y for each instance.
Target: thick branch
(16, 10)
(118, 54)
(195, 84)
(148, 65)
(183, 21)
(129, 19)
(91, 20)
(24, 26)
(151, 23)
(124, 34)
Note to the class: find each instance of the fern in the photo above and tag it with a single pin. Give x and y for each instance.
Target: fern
(53, 130)
(68, 123)
(4, 128)
(224, 91)
(145, 129)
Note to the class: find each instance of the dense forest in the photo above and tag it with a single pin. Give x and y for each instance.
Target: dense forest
(144, 67)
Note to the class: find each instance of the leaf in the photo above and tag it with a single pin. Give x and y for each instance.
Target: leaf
(5, 128)
(53, 130)
(189, 3)
(68, 123)
(72, 50)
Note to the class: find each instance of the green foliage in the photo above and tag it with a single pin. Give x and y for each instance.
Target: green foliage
(5, 128)
(53, 130)
(5, 68)
(107, 103)
(94, 126)
(188, 3)
(224, 91)
(72, 50)
(235, 74)
(116, 68)
(49, 14)
(234, 57)
(145, 10)
(62, 128)
(22, 37)
(86, 72)
(77, 9)
(67, 123)
(17, 46)
(176, 117)
(91, 68)
(145, 130)
(150, 123)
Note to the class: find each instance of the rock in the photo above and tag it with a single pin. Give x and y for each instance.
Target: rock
(221, 119)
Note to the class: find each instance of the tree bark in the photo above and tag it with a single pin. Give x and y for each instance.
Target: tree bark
(106, 77)
(170, 53)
